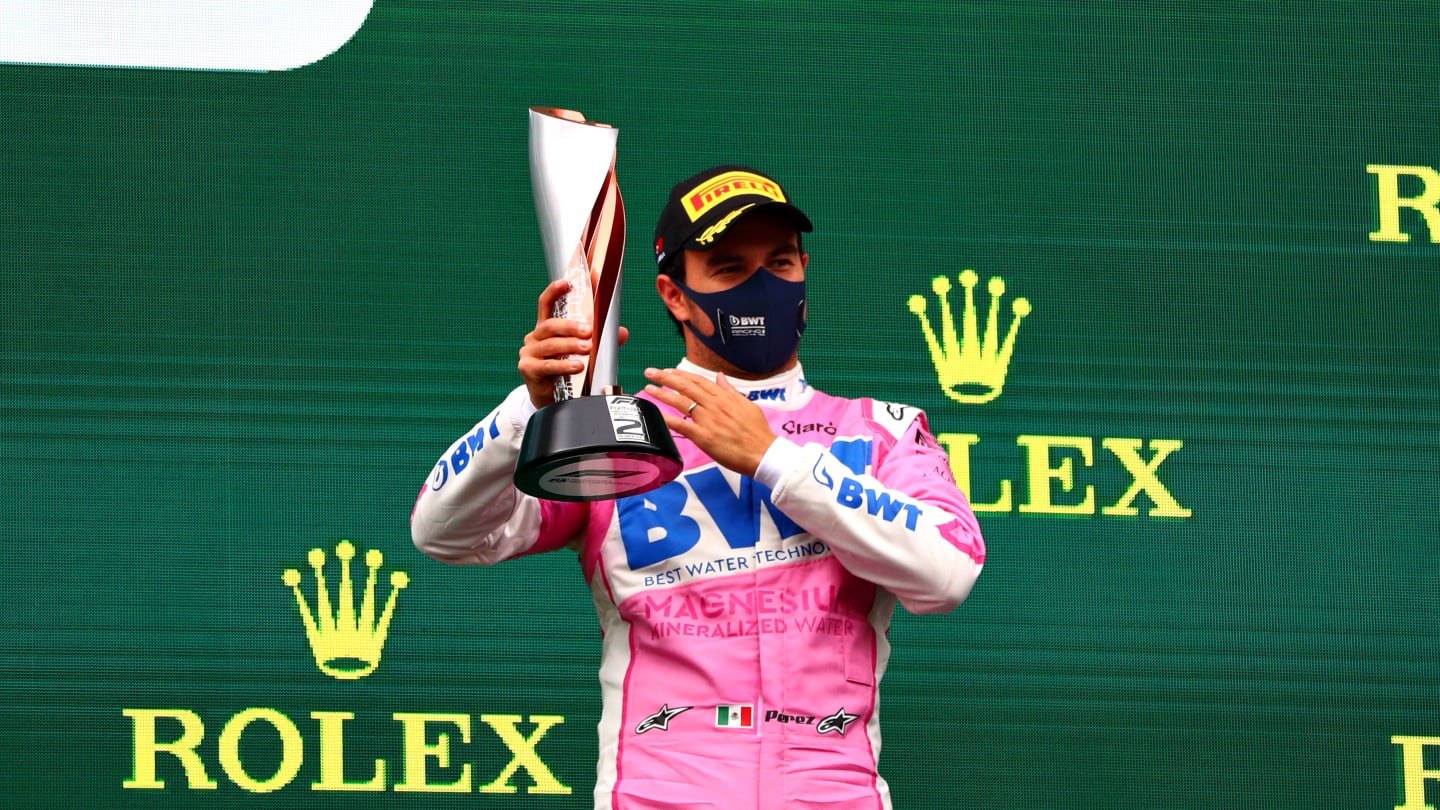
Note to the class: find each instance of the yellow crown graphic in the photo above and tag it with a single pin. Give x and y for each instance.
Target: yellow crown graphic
(346, 645)
(971, 368)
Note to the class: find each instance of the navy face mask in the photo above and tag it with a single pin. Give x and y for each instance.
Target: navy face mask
(757, 324)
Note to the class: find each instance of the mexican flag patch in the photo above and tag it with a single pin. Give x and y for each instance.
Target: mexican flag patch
(735, 716)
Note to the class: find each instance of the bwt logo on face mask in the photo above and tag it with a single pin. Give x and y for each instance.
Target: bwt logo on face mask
(746, 325)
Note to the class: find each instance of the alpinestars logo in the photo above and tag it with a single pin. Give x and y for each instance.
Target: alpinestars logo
(346, 643)
(837, 722)
(660, 721)
(971, 367)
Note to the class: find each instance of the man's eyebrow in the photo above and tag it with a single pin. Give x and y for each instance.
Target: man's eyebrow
(716, 257)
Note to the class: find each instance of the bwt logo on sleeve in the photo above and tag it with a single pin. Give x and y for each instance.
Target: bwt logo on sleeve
(251, 35)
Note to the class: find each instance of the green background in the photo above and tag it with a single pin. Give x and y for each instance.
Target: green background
(243, 313)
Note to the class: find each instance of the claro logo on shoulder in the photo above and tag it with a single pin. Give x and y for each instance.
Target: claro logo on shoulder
(971, 366)
(263, 750)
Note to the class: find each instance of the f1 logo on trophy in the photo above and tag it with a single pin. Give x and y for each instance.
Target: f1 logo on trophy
(595, 443)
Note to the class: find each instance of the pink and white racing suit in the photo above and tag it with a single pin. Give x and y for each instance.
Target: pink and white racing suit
(744, 619)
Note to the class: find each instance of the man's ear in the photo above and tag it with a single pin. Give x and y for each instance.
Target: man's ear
(673, 296)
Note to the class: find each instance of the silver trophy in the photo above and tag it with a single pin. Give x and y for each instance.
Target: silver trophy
(594, 443)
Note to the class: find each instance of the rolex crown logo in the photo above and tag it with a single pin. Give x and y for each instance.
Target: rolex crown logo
(971, 368)
(346, 645)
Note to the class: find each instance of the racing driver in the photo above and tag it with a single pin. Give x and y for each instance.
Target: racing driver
(744, 606)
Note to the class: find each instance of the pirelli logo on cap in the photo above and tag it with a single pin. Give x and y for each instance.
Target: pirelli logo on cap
(719, 188)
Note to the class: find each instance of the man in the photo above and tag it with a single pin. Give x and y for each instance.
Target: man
(744, 605)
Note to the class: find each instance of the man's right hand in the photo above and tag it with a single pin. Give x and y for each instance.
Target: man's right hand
(556, 346)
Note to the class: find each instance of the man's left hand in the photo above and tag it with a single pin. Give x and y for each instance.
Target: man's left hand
(720, 420)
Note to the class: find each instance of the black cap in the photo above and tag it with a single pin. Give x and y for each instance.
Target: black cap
(702, 207)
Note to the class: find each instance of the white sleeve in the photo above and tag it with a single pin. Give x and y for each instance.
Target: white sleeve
(916, 538)
(469, 511)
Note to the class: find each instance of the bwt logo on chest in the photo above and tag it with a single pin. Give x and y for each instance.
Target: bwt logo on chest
(655, 528)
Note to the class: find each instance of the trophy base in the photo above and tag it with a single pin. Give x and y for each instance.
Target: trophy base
(596, 448)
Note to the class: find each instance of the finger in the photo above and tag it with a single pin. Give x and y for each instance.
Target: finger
(681, 426)
(545, 369)
(624, 335)
(555, 346)
(669, 391)
(545, 311)
(558, 366)
(675, 400)
(552, 293)
(557, 327)
(542, 368)
(691, 385)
